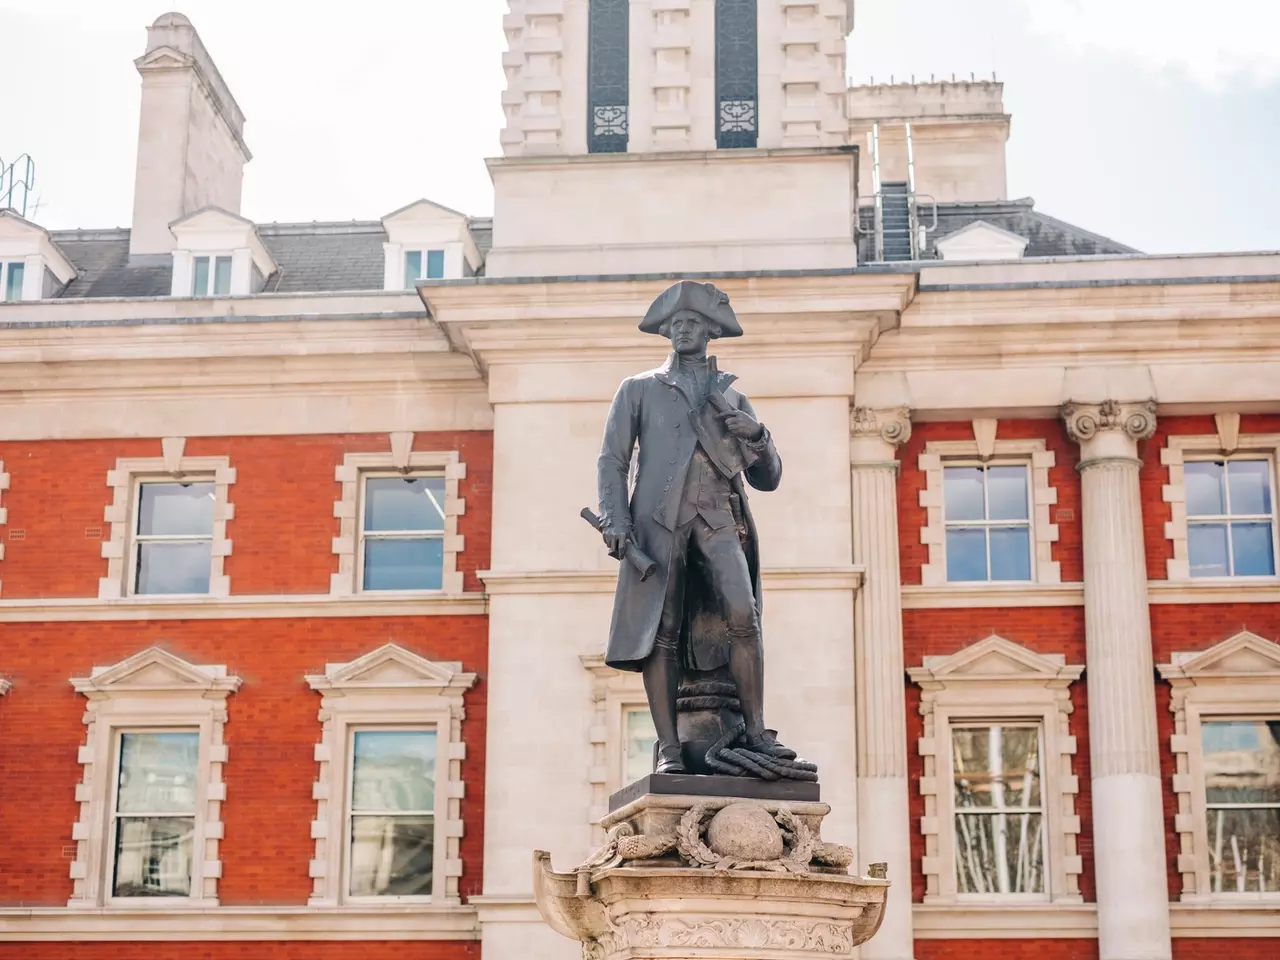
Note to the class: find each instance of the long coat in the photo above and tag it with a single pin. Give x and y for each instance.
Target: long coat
(655, 409)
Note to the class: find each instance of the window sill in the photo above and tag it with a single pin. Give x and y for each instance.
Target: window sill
(185, 922)
(1240, 917)
(986, 594)
(1216, 590)
(967, 920)
(240, 607)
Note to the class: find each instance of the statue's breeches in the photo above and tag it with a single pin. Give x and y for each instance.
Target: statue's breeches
(723, 564)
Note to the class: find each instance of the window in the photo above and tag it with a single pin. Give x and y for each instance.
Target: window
(415, 260)
(390, 790)
(640, 736)
(151, 794)
(392, 817)
(987, 506)
(737, 98)
(168, 520)
(987, 511)
(11, 276)
(173, 539)
(210, 276)
(154, 815)
(1242, 802)
(999, 828)
(607, 76)
(399, 513)
(1230, 518)
(402, 533)
(1226, 748)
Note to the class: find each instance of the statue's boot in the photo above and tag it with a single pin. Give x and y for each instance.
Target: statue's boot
(670, 759)
(767, 743)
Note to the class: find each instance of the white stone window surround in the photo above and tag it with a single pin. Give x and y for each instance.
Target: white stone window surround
(4, 511)
(388, 688)
(986, 450)
(153, 690)
(46, 269)
(613, 694)
(998, 681)
(213, 232)
(400, 460)
(1237, 678)
(1226, 444)
(120, 547)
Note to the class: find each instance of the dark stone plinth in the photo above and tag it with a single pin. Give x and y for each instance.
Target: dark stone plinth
(691, 785)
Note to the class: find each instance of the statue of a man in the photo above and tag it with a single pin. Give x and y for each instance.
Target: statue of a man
(698, 616)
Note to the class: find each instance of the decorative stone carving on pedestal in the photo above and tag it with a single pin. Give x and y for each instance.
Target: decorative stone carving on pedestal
(686, 876)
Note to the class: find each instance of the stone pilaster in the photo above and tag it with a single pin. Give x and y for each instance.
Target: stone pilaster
(884, 826)
(535, 67)
(1128, 820)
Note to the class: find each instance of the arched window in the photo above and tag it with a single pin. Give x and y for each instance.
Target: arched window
(607, 66)
(737, 97)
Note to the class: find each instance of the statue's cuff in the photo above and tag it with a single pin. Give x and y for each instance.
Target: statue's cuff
(763, 443)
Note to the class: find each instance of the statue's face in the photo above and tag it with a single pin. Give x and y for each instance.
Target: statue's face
(690, 332)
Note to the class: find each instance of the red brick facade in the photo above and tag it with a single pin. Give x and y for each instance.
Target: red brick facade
(249, 950)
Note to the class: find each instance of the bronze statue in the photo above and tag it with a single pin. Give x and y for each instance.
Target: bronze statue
(688, 602)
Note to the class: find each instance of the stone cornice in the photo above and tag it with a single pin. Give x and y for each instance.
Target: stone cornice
(499, 582)
(239, 608)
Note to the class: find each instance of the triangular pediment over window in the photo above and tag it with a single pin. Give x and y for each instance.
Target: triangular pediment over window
(1245, 656)
(993, 660)
(981, 240)
(392, 667)
(20, 238)
(155, 670)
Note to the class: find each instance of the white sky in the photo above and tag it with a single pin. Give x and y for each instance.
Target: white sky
(1156, 122)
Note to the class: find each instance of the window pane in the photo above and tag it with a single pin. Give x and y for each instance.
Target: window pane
(200, 277)
(222, 275)
(1250, 486)
(996, 767)
(181, 509)
(394, 770)
(1241, 761)
(404, 564)
(1010, 553)
(153, 857)
(1205, 495)
(392, 856)
(999, 853)
(1007, 493)
(435, 264)
(1207, 549)
(966, 554)
(640, 737)
(1252, 550)
(1244, 851)
(173, 567)
(13, 281)
(158, 772)
(962, 493)
(412, 268)
(404, 503)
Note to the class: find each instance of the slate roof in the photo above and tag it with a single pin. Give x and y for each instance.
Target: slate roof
(312, 258)
(1046, 236)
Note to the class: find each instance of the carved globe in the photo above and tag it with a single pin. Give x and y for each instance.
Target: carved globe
(745, 831)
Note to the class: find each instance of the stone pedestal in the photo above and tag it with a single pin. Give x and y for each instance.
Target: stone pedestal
(687, 877)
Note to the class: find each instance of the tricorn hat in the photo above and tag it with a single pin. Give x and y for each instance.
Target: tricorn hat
(704, 298)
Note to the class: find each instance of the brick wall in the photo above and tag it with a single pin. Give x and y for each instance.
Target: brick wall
(284, 526)
(1045, 630)
(912, 517)
(271, 733)
(248, 950)
(1074, 949)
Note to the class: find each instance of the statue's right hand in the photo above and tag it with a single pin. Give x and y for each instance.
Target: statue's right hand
(615, 538)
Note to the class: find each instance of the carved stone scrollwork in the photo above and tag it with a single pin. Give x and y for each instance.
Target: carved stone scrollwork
(892, 425)
(1085, 420)
(647, 931)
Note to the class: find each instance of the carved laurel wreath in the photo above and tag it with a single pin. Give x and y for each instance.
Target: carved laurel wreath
(798, 843)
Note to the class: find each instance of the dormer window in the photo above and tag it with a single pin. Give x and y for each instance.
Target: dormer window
(11, 275)
(422, 265)
(210, 276)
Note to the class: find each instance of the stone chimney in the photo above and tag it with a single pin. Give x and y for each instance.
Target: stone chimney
(191, 149)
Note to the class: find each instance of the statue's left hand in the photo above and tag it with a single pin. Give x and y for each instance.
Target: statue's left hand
(742, 425)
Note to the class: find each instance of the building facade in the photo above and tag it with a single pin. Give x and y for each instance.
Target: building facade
(300, 635)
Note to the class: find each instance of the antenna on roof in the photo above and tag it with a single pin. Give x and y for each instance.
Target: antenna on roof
(17, 179)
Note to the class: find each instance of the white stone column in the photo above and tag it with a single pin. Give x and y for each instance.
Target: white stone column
(1128, 819)
(884, 824)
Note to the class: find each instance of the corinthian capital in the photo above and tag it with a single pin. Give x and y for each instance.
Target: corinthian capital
(1086, 420)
